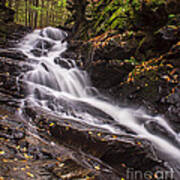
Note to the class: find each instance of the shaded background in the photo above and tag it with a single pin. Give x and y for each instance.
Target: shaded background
(38, 13)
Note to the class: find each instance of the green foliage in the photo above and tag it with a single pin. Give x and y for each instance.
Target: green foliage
(105, 15)
(110, 15)
(171, 16)
(39, 13)
(132, 60)
(62, 3)
(36, 8)
(118, 14)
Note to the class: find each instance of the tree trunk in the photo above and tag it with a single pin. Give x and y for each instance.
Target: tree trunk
(36, 3)
(26, 13)
(41, 17)
(47, 14)
(31, 14)
(17, 10)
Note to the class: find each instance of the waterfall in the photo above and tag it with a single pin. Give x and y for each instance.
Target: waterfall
(57, 84)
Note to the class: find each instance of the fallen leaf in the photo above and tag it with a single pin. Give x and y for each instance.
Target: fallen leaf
(30, 174)
(97, 167)
(52, 124)
(114, 136)
(2, 152)
(90, 132)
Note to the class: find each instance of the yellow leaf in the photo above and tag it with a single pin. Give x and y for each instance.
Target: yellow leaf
(52, 124)
(23, 161)
(114, 136)
(139, 143)
(59, 159)
(27, 156)
(169, 65)
(61, 165)
(90, 132)
(88, 178)
(24, 149)
(178, 43)
(166, 77)
(7, 73)
(156, 176)
(97, 167)
(2, 152)
(18, 147)
(5, 160)
(30, 174)
(4, 117)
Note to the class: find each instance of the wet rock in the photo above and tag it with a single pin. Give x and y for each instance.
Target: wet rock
(119, 151)
(10, 72)
(173, 108)
(75, 52)
(156, 128)
(14, 54)
(43, 44)
(25, 154)
(38, 52)
(64, 62)
(52, 34)
(70, 55)
(11, 33)
(110, 74)
(76, 109)
(170, 33)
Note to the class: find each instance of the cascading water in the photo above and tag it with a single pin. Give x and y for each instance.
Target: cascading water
(57, 84)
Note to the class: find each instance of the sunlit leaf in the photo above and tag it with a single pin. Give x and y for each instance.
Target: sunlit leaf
(97, 167)
(30, 174)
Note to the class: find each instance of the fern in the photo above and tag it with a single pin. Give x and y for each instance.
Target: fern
(104, 15)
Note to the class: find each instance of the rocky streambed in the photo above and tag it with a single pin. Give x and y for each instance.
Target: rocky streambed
(41, 145)
(37, 143)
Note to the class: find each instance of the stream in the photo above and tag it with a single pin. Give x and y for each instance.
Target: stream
(58, 85)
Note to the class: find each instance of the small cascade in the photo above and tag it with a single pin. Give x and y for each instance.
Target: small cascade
(51, 70)
(58, 85)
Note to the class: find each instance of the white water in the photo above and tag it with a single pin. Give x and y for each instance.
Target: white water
(50, 78)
